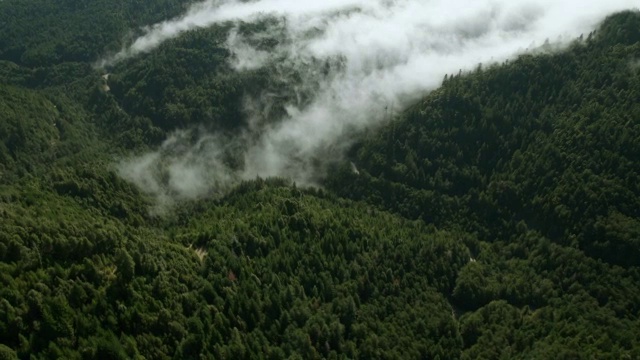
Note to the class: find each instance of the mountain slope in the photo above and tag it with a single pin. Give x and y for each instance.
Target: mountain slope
(551, 140)
(498, 217)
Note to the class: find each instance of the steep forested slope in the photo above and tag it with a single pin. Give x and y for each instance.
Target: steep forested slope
(551, 141)
(34, 36)
(498, 217)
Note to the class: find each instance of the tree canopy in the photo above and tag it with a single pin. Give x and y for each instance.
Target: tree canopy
(498, 217)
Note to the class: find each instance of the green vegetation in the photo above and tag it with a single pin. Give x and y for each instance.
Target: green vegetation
(89, 28)
(547, 141)
(496, 218)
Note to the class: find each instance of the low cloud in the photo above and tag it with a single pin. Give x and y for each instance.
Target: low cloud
(187, 166)
(356, 61)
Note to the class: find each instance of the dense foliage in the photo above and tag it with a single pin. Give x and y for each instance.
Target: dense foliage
(39, 33)
(551, 141)
(496, 218)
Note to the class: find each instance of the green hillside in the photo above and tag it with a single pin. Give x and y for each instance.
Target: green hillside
(498, 217)
(551, 142)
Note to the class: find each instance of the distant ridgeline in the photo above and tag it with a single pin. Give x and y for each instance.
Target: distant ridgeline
(499, 217)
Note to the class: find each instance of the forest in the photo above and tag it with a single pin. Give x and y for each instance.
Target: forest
(498, 217)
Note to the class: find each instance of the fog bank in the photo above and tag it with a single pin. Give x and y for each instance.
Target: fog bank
(360, 61)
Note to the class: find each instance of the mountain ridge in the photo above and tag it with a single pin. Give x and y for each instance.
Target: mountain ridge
(497, 217)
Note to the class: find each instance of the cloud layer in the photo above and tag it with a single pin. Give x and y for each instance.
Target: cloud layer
(359, 59)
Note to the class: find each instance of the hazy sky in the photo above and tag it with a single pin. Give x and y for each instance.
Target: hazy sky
(391, 52)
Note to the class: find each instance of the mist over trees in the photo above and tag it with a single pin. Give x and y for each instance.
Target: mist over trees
(497, 217)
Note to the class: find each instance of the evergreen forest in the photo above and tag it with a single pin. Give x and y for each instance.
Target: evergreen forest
(498, 217)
